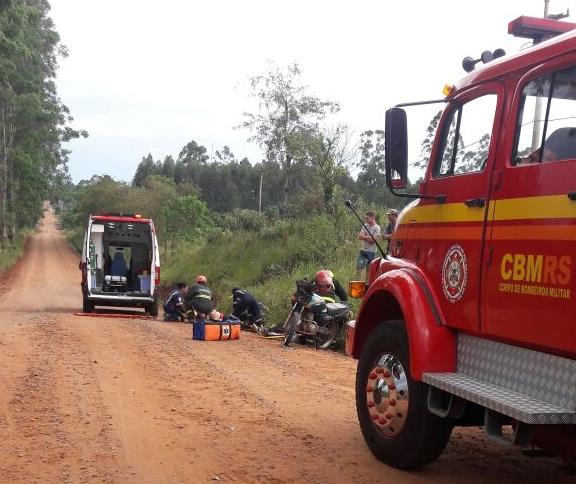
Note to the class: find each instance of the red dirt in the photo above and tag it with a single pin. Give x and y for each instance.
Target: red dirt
(128, 400)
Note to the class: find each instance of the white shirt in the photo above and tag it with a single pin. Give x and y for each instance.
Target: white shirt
(375, 231)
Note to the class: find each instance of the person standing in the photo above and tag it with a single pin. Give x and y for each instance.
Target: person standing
(368, 250)
(389, 229)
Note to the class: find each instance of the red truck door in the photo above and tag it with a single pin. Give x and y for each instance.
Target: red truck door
(451, 227)
(529, 279)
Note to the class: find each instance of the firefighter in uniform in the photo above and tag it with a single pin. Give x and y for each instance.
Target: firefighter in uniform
(199, 297)
(246, 307)
(174, 305)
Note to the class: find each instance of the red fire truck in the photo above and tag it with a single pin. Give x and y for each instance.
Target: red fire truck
(471, 318)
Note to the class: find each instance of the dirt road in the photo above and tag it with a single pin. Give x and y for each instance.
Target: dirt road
(116, 400)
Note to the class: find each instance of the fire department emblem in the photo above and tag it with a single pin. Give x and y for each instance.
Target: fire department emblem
(454, 273)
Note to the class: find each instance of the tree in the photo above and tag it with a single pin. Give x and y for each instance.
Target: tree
(102, 194)
(372, 166)
(147, 167)
(427, 143)
(331, 152)
(225, 156)
(288, 115)
(33, 121)
(190, 158)
(168, 167)
(185, 218)
(193, 153)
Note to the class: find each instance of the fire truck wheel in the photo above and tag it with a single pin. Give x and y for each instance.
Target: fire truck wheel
(392, 407)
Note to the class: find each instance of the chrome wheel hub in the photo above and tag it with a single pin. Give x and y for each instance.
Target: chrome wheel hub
(387, 395)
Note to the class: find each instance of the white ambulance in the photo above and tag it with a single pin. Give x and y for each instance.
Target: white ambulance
(120, 263)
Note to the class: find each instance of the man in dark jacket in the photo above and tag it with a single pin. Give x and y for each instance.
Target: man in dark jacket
(245, 307)
(174, 305)
(199, 297)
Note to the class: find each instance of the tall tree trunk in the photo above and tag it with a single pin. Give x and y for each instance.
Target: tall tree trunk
(11, 184)
(3, 178)
(13, 196)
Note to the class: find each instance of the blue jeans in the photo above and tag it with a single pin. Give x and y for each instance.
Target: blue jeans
(365, 257)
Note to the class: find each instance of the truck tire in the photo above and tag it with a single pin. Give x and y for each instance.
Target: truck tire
(87, 305)
(392, 407)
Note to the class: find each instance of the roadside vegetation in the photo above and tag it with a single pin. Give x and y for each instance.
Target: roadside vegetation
(11, 252)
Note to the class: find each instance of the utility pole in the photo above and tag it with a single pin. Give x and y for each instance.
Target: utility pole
(260, 190)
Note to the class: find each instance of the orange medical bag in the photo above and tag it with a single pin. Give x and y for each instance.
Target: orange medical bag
(216, 330)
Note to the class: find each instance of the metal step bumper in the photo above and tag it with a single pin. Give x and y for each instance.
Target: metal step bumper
(516, 405)
(527, 385)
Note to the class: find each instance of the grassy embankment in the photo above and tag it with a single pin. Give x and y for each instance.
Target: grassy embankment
(268, 261)
(75, 237)
(10, 254)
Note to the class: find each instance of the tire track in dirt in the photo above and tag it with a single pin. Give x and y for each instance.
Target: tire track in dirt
(199, 414)
(57, 430)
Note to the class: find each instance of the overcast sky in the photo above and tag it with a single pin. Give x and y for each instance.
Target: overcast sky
(146, 76)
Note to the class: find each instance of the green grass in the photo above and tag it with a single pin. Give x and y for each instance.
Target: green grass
(10, 254)
(75, 237)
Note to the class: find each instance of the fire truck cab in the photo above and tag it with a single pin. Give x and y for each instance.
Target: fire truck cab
(471, 318)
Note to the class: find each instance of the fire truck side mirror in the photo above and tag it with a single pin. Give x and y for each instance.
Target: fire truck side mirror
(396, 149)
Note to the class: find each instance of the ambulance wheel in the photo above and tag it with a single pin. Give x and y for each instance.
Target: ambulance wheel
(87, 305)
(153, 309)
(392, 407)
